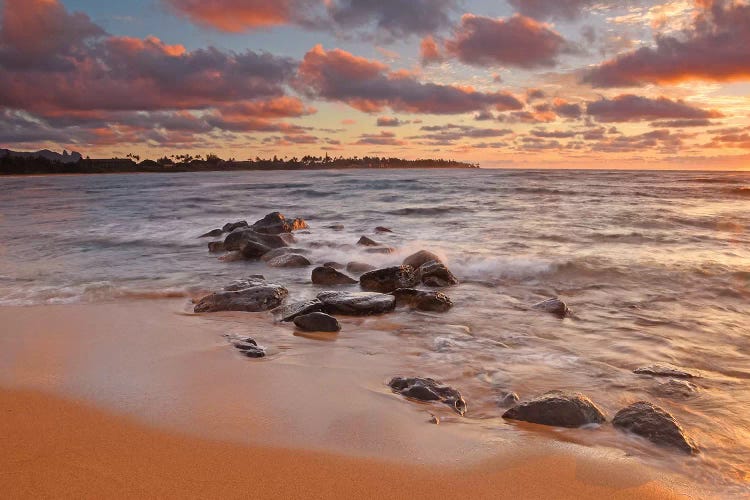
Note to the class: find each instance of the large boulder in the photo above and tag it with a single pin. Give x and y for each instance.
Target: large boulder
(317, 322)
(559, 409)
(289, 260)
(427, 389)
(236, 239)
(665, 370)
(389, 279)
(329, 276)
(416, 260)
(356, 303)
(231, 226)
(262, 297)
(359, 267)
(422, 300)
(435, 274)
(244, 283)
(655, 424)
(252, 250)
(553, 306)
(276, 223)
(290, 311)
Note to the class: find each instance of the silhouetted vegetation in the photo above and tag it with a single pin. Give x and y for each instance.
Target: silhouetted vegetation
(17, 165)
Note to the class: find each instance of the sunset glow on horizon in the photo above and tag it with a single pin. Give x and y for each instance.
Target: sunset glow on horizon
(640, 84)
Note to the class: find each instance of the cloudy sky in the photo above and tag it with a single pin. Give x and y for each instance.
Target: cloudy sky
(506, 83)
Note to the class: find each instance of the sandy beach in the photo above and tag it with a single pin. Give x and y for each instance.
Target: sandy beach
(137, 399)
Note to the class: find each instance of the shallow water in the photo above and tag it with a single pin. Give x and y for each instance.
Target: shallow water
(655, 266)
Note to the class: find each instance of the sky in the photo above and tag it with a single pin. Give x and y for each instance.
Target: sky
(503, 83)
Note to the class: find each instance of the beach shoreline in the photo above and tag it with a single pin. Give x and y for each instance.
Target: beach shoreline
(140, 399)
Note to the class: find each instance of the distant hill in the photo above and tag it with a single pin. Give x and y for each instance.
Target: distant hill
(65, 157)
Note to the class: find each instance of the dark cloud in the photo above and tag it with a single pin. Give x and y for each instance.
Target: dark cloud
(396, 17)
(630, 108)
(389, 121)
(547, 9)
(517, 41)
(369, 86)
(382, 139)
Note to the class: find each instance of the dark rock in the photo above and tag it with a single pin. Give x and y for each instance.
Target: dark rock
(676, 389)
(381, 229)
(290, 311)
(665, 370)
(559, 409)
(553, 306)
(329, 276)
(655, 424)
(252, 250)
(356, 303)
(254, 299)
(435, 274)
(272, 254)
(389, 279)
(212, 233)
(367, 242)
(334, 265)
(420, 258)
(383, 250)
(276, 223)
(427, 389)
(249, 348)
(236, 239)
(508, 399)
(359, 267)
(216, 246)
(243, 284)
(422, 300)
(289, 260)
(231, 226)
(336, 227)
(317, 322)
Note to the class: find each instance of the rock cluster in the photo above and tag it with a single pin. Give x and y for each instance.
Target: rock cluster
(427, 389)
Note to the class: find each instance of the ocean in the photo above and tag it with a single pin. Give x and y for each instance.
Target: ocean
(655, 267)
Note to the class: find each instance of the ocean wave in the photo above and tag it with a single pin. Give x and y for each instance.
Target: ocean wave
(715, 180)
(436, 210)
(84, 293)
(740, 191)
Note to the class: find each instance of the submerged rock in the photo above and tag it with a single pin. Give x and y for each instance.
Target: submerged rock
(252, 250)
(417, 260)
(508, 399)
(676, 389)
(367, 242)
(336, 227)
(262, 297)
(334, 265)
(317, 322)
(272, 254)
(435, 274)
(559, 409)
(231, 226)
(356, 303)
(553, 306)
(359, 267)
(389, 279)
(212, 233)
(655, 424)
(383, 250)
(290, 311)
(665, 370)
(216, 246)
(329, 276)
(382, 229)
(427, 389)
(289, 260)
(276, 223)
(236, 239)
(422, 300)
(249, 282)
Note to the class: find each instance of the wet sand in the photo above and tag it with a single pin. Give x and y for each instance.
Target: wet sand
(137, 399)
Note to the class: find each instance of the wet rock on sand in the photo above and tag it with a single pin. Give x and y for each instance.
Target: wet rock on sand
(655, 424)
(665, 370)
(317, 322)
(290, 311)
(389, 279)
(289, 260)
(249, 347)
(276, 223)
(416, 260)
(356, 303)
(427, 389)
(359, 267)
(435, 274)
(553, 306)
(329, 276)
(559, 409)
(422, 300)
(256, 298)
